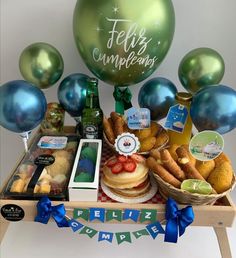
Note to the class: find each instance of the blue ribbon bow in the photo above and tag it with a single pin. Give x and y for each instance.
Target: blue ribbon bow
(177, 219)
(46, 210)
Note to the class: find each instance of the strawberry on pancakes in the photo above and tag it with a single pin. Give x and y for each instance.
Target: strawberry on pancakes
(127, 176)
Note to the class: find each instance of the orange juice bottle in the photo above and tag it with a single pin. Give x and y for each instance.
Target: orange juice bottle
(179, 138)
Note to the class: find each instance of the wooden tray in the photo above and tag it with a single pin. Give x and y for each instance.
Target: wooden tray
(217, 216)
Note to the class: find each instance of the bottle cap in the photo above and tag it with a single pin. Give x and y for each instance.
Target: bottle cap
(92, 79)
(184, 96)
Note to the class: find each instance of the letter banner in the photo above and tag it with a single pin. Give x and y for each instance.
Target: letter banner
(81, 213)
(131, 214)
(148, 215)
(102, 235)
(123, 237)
(75, 225)
(140, 233)
(88, 231)
(154, 229)
(114, 214)
(97, 213)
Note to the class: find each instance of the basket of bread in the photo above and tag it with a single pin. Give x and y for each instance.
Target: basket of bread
(187, 180)
(154, 137)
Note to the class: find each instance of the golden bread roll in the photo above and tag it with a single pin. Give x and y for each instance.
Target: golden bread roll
(143, 133)
(154, 128)
(221, 158)
(205, 167)
(147, 144)
(161, 139)
(221, 177)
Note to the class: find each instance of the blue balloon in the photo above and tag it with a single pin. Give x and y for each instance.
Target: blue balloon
(72, 93)
(214, 108)
(22, 106)
(158, 95)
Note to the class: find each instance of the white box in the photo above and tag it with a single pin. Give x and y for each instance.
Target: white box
(85, 191)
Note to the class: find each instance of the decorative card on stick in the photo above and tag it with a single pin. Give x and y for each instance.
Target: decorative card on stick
(206, 145)
(176, 118)
(138, 118)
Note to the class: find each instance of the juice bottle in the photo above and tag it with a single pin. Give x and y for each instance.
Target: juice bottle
(182, 137)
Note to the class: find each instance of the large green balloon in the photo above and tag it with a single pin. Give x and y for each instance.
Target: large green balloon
(122, 42)
(41, 64)
(201, 67)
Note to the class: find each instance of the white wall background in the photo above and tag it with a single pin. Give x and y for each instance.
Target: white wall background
(199, 23)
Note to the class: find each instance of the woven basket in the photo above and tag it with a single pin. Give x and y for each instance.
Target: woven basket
(112, 147)
(184, 197)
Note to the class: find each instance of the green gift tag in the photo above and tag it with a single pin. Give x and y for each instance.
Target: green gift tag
(81, 213)
(123, 237)
(196, 186)
(139, 233)
(88, 231)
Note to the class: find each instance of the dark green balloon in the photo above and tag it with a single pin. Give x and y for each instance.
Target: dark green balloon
(41, 64)
(199, 68)
(122, 42)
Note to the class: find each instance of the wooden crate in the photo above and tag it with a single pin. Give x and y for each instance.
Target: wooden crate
(217, 216)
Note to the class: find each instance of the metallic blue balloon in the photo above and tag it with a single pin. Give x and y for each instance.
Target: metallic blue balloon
(22, 106)
(158, 95)
(214, 108)
(72, 93)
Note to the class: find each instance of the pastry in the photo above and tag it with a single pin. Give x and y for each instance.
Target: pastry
(122, 174)
(147, 144)
(161, 139)
(18, 186)
(61, 165)
(221, 177)
(186, 165)
(170, 164)
(205, 167)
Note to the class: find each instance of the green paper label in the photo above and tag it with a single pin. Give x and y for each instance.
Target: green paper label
(148, 215)
(88, 231)
(114, 214)
(139, 233)
(123, 237)
(81, 213)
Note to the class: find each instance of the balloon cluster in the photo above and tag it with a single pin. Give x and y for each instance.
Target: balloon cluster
(121, 48)
(213, 106)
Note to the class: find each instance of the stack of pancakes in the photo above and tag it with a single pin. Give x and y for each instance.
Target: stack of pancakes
(128, 184)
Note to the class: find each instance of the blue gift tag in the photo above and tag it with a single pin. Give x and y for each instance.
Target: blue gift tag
(176, 118)
(138, 118)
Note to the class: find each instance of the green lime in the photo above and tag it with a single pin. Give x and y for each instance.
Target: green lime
(196, 186)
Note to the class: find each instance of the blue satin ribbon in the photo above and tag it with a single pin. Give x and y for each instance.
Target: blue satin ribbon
(177, 220)
(46, 210)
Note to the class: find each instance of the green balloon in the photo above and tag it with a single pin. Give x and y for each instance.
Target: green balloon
(123, 42)
(41, 64)
(199, 68)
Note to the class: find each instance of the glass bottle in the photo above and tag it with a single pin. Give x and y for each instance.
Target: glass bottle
(179, 138)
(92, 115)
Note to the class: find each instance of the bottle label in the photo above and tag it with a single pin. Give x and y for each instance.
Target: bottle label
(176, 118)
(90, 132)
